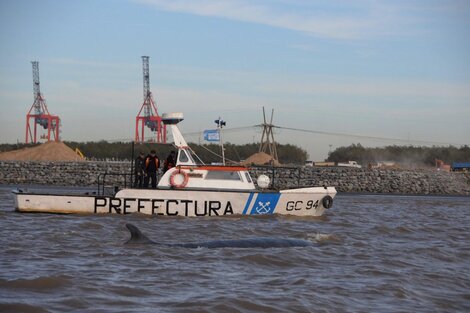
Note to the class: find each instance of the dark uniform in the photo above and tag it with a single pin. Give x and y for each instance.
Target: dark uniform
(139, 171)
(170, 161)
(151, 167)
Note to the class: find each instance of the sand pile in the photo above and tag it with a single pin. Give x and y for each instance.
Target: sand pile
(260, 158)
(49, 151)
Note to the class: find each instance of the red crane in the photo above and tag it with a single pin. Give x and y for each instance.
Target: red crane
(148, 114)
(39, 114)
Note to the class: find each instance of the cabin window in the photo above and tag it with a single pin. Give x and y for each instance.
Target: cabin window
(183, 157)
(225, 175)
(248, 177)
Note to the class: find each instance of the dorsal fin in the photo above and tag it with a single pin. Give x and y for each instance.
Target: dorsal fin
(136, 235)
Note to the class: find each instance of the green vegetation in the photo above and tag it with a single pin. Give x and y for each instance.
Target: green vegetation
(400, 154)
(14, 146)
(288, 154)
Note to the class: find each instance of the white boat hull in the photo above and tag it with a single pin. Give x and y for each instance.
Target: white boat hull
(171, 202)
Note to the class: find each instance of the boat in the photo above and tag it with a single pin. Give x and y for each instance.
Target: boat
(188, 189)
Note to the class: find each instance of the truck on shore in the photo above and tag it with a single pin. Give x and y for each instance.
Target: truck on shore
(319, 163)
(461, 166)
(349, 164)
(331, 164)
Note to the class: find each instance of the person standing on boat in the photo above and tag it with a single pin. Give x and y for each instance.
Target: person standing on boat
(170, 161)
(139, 170)
(151, 167)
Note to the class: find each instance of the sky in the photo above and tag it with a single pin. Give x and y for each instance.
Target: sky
(397, 71)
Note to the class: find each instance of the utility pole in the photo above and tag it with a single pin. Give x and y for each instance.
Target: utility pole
(267, 138)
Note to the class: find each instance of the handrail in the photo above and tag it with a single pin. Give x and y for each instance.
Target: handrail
(126, 181)
(102, 181)
(271, 171)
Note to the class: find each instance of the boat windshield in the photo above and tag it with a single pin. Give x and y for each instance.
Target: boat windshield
(185, 158)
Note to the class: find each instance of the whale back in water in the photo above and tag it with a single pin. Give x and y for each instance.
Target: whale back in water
(138, 238)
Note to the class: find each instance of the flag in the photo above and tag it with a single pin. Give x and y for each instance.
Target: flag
(211, 135)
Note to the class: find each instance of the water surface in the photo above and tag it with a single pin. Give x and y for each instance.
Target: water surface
(370, 254)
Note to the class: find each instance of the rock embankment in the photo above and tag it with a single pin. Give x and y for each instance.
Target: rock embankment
(372, 181)
(344, 179)
(84, 174)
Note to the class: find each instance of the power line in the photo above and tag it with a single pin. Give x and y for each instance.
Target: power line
(364, 136)
(310, 131)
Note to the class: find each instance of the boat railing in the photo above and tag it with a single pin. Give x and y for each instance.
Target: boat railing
(280, 176)
(111, 183)
(107, 186)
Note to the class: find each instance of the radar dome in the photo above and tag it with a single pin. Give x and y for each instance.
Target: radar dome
(172, 118)
(263, 181)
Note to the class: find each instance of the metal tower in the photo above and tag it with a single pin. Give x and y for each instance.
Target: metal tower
(148, 114)
(267, 139)
(39, 114)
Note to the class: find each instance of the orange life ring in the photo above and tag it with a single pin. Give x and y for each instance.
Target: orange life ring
(185, 179)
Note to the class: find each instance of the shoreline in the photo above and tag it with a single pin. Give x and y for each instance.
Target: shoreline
(345, 180)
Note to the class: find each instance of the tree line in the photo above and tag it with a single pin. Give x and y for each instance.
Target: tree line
(400, 154)
(287, 153)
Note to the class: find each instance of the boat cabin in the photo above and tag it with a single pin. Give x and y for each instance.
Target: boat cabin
(188, 174)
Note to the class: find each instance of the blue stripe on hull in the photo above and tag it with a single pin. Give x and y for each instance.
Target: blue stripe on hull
(265, 203)
(248, 203)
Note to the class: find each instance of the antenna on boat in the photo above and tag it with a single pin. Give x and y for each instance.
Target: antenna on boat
(220, 123)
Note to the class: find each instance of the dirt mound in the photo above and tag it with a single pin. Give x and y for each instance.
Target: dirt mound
(49, 151)
(260, 158)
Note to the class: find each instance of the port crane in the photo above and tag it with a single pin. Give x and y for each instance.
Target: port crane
(38, 114)
(148, 114)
